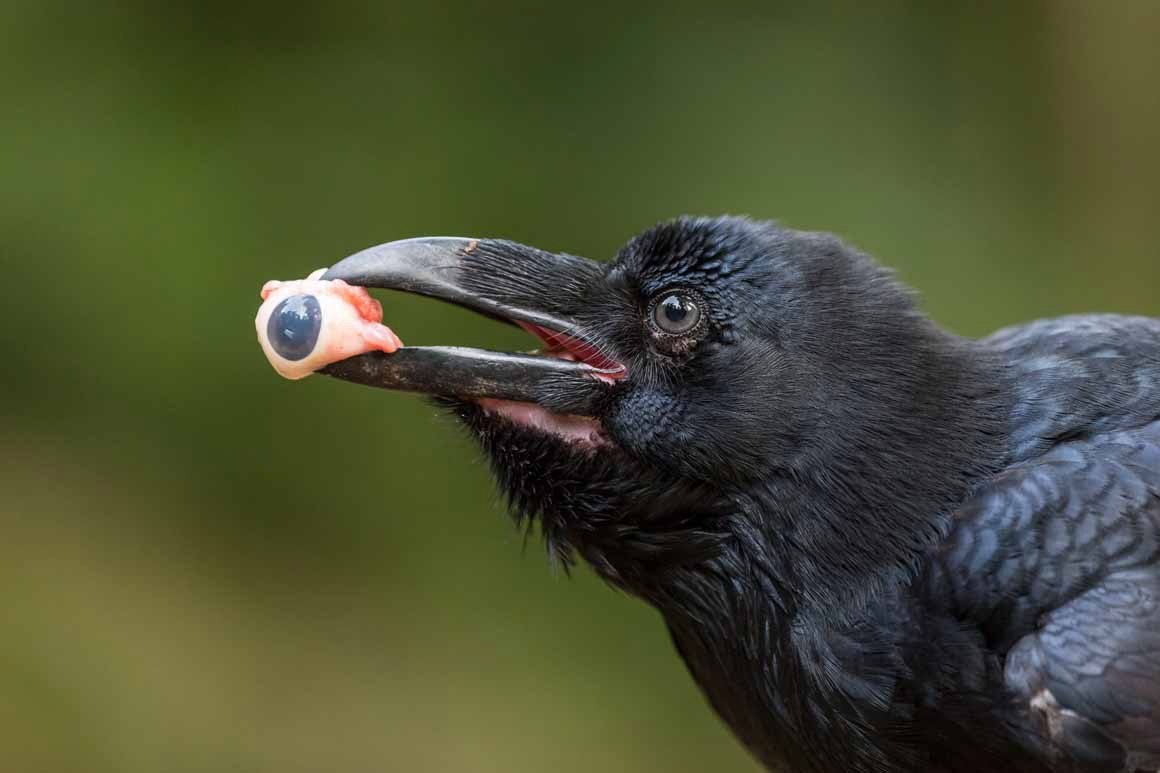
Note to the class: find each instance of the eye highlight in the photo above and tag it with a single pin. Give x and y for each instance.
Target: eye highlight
(675, 313)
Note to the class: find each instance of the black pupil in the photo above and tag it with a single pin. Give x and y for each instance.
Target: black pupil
(676, 309)
(294, 326)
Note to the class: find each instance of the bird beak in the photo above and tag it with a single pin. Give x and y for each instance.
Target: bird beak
(532, 288)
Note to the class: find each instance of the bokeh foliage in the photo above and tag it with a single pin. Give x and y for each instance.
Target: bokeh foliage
(205, 568)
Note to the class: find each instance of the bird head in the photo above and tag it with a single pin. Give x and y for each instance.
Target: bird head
(720, 380)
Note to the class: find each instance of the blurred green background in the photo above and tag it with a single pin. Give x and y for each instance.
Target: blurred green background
(206, 568)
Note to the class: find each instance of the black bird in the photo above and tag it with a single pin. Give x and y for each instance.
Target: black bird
(878, 546)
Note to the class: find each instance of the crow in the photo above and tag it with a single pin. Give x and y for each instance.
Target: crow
(877, 546)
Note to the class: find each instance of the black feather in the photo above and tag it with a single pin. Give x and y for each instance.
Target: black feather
(878, 546)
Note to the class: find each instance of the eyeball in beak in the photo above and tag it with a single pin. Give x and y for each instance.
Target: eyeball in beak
(307, 324)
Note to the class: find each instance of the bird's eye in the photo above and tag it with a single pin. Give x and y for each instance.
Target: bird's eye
(294, 326)
(676, 313)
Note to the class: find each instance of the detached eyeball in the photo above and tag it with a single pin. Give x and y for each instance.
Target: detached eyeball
(676, 313)
(294, 327)
(303, 325)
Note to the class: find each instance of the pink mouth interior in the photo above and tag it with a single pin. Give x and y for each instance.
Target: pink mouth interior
(580, 430)
(567, 347)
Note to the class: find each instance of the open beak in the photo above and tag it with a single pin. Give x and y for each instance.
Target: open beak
(529, 287)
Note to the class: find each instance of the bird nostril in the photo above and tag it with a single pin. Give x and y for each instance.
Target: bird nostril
(294, 326)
